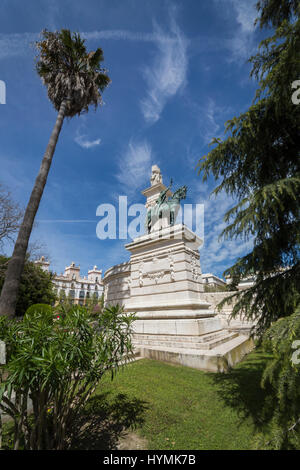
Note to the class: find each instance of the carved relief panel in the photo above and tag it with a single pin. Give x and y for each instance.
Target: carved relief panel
(157, 268)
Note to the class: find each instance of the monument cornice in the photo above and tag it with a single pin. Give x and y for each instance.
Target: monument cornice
(174, 234)
(155, 189)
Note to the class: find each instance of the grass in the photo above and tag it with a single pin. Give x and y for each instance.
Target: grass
(174, 407)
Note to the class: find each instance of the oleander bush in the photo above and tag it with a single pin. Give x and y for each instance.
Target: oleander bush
(55, 363)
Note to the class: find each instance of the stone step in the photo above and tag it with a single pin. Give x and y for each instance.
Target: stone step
(184, 342)
(186, 338)
(218, 359)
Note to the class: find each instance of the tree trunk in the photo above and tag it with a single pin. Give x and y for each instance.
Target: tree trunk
(15, 267)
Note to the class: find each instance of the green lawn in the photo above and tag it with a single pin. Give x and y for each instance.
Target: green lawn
(176, 407)
(172, 407)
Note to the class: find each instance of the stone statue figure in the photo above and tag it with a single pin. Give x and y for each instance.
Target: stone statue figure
(152, 211)
(166, 207)
(172, 205)
(163, 194)
(156, 175)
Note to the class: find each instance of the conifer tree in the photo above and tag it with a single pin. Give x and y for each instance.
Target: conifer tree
(259, 164)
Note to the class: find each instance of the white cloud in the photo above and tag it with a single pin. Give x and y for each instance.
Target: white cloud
(65, 221)
(209, 126)
(121, 34)
(16, 44)
(83, 142)
(135, 166)
(167, 74)
(246, 14)
(210, 117)
(241, 45)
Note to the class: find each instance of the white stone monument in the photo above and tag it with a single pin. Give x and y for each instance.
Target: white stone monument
(164, 286)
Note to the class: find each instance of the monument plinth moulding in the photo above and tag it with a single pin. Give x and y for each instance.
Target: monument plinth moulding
(162, 283)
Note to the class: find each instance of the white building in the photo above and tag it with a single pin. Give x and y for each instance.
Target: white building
(71, 285)
(210, 280)
(249, 281)
(245, 283)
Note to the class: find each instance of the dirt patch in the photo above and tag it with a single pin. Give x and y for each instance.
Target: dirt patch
(131, 441)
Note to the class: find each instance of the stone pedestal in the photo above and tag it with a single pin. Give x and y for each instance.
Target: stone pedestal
(165, 283)
(174, 323)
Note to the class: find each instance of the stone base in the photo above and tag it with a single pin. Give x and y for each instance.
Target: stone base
(176, 326)
(193, 338)
(219, 358)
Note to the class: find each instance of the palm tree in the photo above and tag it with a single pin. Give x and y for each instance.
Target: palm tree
(74, 80)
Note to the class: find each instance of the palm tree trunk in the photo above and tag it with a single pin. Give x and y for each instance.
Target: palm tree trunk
(15, 267)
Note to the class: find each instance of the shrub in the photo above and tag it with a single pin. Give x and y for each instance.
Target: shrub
(36, 286)
(39, 308)
(57, 363)
(282, 339)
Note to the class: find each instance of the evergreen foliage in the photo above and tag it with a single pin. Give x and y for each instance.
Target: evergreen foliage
(35, 288)
(259, 165)
(274, 12)
(283, 374)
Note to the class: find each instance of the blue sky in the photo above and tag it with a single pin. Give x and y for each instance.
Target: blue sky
(179, 70)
